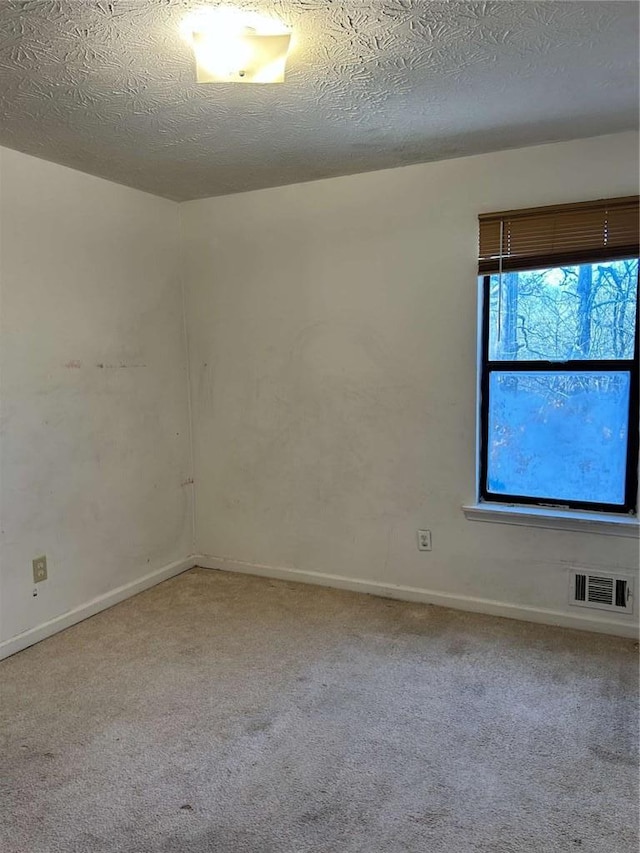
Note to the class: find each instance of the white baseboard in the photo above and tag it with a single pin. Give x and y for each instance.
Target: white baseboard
(102, 602)
(403, 593)
(410, 593)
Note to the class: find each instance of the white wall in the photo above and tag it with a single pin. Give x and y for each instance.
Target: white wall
(95, 434)
(333, 349)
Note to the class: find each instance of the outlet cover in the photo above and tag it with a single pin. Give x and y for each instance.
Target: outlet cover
(39, 569)
(424, 540)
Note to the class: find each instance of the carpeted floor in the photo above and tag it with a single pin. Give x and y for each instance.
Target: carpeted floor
(232, 714)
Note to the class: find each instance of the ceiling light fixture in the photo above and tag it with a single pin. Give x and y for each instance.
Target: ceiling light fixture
(232, 46)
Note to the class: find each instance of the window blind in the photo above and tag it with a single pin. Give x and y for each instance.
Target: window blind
(542, 237)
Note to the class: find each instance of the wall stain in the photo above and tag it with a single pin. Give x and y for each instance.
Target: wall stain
(120, 366)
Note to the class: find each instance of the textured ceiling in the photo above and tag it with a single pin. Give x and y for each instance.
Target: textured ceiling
(107, 87)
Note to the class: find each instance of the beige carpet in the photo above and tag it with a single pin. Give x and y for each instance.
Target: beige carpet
(240, 715)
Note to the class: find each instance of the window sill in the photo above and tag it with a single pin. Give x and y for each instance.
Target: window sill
(555, 519)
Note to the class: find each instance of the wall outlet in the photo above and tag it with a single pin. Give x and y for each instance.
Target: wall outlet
(39, 569)
(424, 540)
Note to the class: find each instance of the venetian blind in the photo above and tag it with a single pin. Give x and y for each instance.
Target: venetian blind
(542, 237)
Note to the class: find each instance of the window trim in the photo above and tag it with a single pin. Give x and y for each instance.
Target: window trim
(487, 366)
(577, 521)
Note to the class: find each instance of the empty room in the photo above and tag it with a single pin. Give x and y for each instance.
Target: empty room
(319, 426)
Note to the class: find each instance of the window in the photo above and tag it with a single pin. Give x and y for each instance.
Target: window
(559, 386)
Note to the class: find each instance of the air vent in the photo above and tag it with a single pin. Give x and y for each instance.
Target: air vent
(603, 591)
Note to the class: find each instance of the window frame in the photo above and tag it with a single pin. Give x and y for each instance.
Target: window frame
(632, 366)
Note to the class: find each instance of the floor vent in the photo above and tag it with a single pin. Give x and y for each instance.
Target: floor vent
(605, 592)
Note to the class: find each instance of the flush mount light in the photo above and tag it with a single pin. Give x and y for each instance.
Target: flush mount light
(232, 46)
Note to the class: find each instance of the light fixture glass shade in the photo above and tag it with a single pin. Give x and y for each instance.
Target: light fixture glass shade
(241, 57)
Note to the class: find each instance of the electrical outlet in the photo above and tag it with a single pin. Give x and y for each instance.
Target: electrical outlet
(39, 569)
(424, 540)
